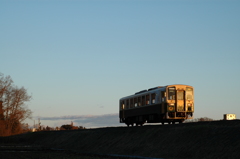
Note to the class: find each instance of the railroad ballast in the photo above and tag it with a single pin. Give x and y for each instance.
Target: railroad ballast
(162, 104)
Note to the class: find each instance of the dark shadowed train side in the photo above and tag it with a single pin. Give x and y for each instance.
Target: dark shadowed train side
(163, 104)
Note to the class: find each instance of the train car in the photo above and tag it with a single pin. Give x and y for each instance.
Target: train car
(162, 104)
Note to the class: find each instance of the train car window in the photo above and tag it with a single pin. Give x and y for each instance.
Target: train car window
(131, 103)
(143, 100)
(122, 105)
(171, 93)
(163, 95)
(127, 104)
(180, 95)
(153, 96)
(189, 93)
(139, 101)
(135, 102)
(147, 100)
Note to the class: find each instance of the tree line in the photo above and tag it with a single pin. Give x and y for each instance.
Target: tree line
(13, 108)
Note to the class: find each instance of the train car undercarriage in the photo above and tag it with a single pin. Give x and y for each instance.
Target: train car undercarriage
(170, 118)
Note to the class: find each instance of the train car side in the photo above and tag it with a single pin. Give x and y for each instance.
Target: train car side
(172, 103)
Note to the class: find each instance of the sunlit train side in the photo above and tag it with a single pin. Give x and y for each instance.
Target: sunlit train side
(162, 104)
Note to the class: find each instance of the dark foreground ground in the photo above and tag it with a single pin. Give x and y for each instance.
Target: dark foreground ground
(44, 155)
(217, 139)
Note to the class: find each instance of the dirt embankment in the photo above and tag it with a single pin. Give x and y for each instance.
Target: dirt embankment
(218, 139)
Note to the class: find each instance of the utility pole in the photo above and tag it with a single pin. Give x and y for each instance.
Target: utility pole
(2, 125)
(39, 124)
(1, 110)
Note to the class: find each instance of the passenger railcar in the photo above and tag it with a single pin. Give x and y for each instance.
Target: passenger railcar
(162, 104)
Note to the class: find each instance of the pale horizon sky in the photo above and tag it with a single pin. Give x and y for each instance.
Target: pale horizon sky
(78, 58)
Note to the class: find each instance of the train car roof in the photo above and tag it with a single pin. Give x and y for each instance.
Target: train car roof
(156, 88)
(145, 91)
(179, 85)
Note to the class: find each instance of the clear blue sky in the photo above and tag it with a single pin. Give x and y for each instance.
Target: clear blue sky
(78, 58)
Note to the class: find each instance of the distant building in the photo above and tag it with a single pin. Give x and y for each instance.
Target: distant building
(34, 130)
(229, 116)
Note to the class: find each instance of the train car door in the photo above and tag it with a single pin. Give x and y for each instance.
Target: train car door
(180, 100)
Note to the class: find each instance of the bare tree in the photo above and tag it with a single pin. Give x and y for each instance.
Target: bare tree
(14, 109)
(199, 119)
(205, 119)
